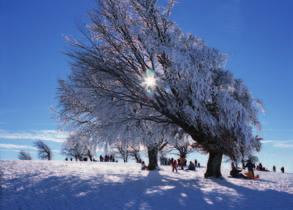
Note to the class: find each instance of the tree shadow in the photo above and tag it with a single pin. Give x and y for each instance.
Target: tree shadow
(151, 192)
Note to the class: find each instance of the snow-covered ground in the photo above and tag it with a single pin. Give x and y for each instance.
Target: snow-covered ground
(42, 185)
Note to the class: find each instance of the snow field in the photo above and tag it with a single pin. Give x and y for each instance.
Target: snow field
(42, 185)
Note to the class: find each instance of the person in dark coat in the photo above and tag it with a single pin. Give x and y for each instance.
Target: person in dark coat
(191, 166)
(250, 167)
(101, 158)
(274, 168)
(235, 172)
(282, 169)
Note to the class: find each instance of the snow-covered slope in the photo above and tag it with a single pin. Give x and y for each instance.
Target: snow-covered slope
(42, 185)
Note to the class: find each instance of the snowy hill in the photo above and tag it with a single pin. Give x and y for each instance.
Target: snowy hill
(42, 185)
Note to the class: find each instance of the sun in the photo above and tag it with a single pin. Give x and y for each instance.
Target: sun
(149, 81)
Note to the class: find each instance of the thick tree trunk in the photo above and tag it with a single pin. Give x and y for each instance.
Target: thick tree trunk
(153, 158)
(214, 165)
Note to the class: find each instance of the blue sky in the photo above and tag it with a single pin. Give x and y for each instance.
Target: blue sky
(257, 36)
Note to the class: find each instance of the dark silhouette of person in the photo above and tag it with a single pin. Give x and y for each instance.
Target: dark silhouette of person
(191, 166)
(274, 168)
(101, 158)
(174, 165)
(250, 167)
(235, 172)
(282, 169)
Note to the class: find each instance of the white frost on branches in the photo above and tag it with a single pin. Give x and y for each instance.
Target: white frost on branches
(110, 95)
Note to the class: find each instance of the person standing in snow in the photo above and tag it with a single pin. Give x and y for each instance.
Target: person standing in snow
(182, 162)
(282, 169)
(250, 167)
(274, 168)
(174, 166)
(191, 166)
(101, 158)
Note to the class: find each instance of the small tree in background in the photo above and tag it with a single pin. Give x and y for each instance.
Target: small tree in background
(44, 150)
(134, 151)
(79, 146)
(23, 155)
(123, 150)
(183, 143)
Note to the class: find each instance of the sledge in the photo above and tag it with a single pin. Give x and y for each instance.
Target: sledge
(250, 176)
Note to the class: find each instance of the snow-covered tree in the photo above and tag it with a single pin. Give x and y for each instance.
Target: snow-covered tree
(134, 151)
(182, 144)
(79, 146)
(24, 155)
(139, 66)
(123, 150)
(154, 138)
(44, 150)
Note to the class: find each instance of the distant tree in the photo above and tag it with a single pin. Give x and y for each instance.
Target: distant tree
(183, 144)
(134, 151)
(126, 150)
(23, 155)
(79, 146)
(123, 150)
(73, 148)
(44, 150)
(183, 149)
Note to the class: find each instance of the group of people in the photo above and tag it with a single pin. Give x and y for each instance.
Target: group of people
(165, 161)
(175, 164)
(237, 173)
(259, 167)
(107, 158)
(182, 162)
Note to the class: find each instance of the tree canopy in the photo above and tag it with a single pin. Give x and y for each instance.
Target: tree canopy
(138, 67)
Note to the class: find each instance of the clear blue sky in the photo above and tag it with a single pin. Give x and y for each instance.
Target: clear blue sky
(256, 35)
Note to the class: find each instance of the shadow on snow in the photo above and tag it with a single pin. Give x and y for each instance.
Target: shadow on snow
(153, 192)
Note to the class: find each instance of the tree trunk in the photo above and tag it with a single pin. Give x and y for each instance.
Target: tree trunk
(214, 165)
(153, 158)
(137, 158)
